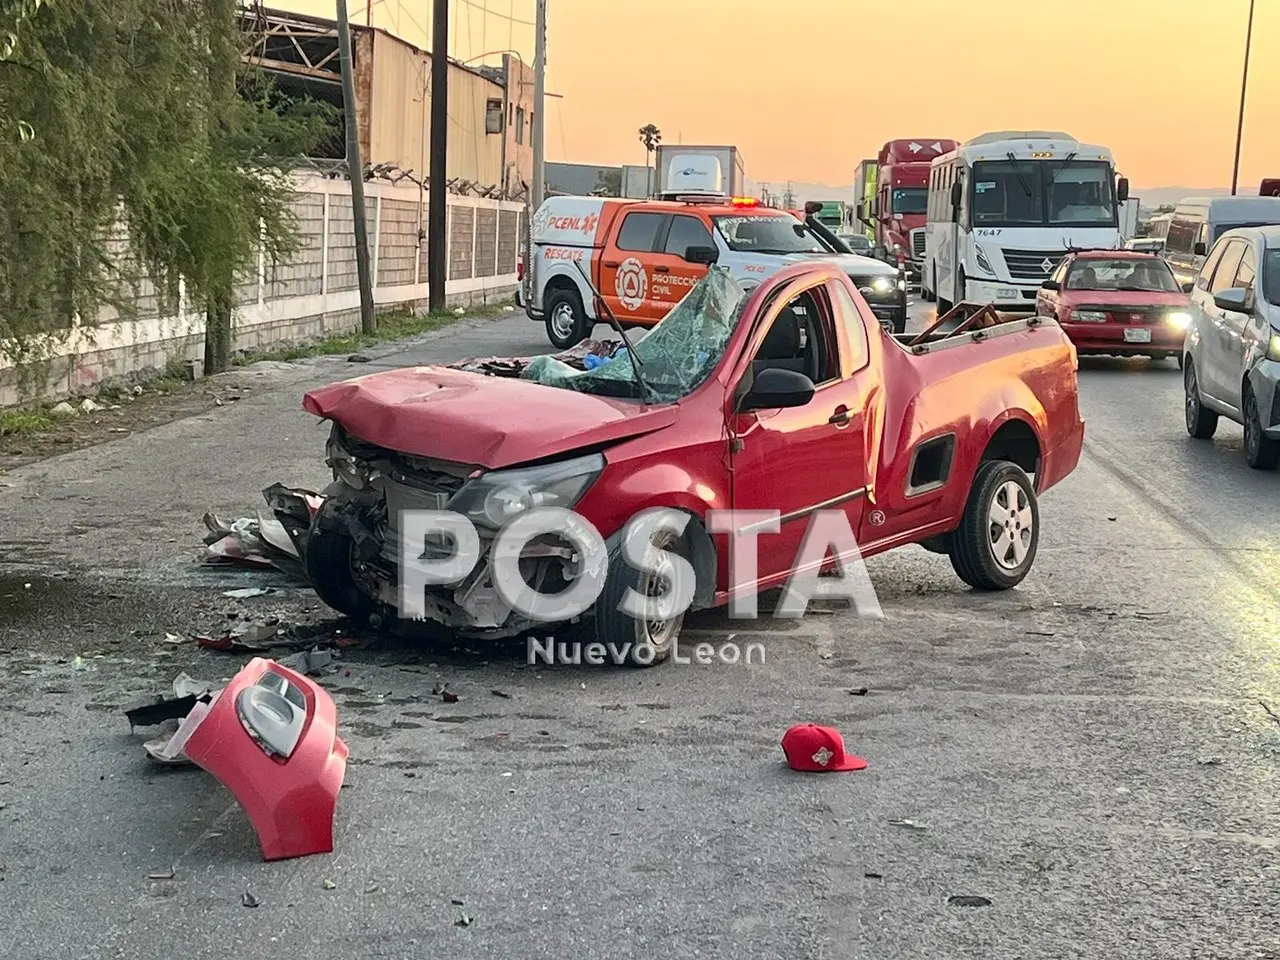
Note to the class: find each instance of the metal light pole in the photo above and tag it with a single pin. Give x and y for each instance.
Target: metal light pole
(438, 203)
(355, 171)
(1244, 86)
(538, 133)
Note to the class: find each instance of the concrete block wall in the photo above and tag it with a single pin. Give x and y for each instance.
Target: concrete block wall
(397, 243)
(314, 295)
(462, 238)
(303, 275)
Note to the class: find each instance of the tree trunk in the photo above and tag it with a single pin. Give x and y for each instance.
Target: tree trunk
(217, 333)
(222, 80)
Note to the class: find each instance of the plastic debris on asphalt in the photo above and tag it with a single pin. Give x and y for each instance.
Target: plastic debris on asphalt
(274, 538)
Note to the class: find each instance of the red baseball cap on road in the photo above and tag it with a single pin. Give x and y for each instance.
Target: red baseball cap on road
(814, 749)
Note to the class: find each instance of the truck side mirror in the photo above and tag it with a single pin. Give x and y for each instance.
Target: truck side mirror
(703, 255)
(775, 388)
(1051, 285)
(1188, 286)
(1122, 190)
(1199, 250)
(812, 207)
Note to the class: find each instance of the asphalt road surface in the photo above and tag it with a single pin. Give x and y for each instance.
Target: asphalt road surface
(1086, 752)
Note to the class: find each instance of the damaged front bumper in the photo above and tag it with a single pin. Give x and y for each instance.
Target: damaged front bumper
(376, 489)
(271, 738)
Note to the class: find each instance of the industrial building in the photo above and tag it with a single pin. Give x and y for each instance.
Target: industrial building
(490, 108)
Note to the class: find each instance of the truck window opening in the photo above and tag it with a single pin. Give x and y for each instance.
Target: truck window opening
(909, 200)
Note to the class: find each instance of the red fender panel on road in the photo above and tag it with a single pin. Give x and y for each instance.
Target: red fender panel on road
(286, 776)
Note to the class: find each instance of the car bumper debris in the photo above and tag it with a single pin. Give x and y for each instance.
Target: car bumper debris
(270, 736)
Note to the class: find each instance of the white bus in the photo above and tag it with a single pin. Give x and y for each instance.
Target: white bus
(1012, 205)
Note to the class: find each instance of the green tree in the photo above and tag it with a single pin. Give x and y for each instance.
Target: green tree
(145, 124)
(608, 183)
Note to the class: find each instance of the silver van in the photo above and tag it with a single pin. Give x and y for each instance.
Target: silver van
(1198, 222)
(1231, 355)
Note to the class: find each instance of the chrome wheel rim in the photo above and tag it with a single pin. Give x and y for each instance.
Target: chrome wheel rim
(1010, 525)
(653, 584)
(562, 321)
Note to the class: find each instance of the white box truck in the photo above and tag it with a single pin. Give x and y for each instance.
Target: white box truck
(732, 167)
(637, 182)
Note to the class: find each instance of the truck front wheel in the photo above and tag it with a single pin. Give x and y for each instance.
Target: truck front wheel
(567, 321)
(995, 545)
(647, 642)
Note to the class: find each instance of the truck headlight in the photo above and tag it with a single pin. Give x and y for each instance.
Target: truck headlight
(983, 263)
(882, 285)
(1179, 319)
(1273, 347)
(1088, 316)
(273, 712)
(494, 499)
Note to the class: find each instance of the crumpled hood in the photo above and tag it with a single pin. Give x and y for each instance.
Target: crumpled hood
(484, 421)
(850, 263)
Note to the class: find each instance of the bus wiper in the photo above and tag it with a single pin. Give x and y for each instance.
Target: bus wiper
(1065, 163)
(636, 362)
(1018, 173)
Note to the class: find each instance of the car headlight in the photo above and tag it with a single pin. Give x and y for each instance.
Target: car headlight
(494, 499)
(1088, 316)
(981, 256)
(1273, 347)
(1179, 319)
(273, 712)
(882, 285)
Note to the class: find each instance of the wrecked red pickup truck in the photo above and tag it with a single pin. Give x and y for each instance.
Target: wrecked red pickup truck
(791, 398)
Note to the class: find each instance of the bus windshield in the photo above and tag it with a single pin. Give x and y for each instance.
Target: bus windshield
(909, 200)
(1043, 192)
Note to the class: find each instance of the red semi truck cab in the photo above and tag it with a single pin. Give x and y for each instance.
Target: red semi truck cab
(902, 192)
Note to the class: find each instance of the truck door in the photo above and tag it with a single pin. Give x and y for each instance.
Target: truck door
(673, 276)
(1221, 355)
(798, 460)
(626, 262)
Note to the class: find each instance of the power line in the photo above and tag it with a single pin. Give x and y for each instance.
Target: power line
(494, 13)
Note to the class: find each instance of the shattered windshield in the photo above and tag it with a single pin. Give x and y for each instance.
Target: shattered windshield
(677, 356)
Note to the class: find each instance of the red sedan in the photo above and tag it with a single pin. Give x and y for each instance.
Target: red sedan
(1118, 302)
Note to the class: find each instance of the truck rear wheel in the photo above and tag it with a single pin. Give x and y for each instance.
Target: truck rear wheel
(567, 321)
(995, 544)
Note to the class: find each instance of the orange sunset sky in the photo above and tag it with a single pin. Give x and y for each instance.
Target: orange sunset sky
(807, 88)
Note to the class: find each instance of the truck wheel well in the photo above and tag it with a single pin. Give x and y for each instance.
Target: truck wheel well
(562, 283)
(703, 556)
(1016, 442)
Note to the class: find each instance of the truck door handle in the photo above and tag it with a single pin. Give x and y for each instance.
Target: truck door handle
(611, 263)
(661, 269)
(840, 417)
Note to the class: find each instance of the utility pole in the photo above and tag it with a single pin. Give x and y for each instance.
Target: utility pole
(539, 104)
(438, 207)
(355, 171)
(1244, 86)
